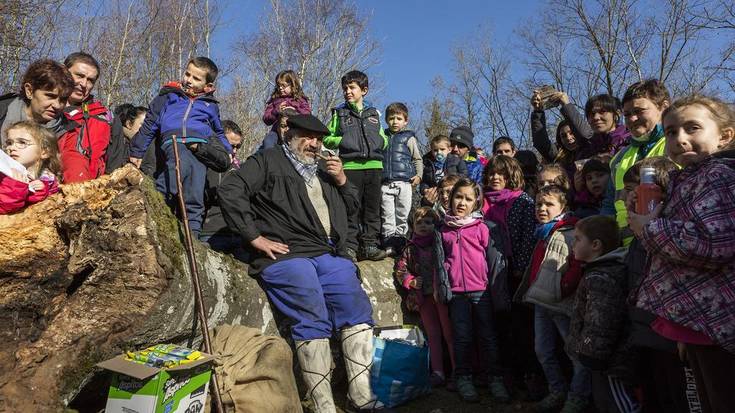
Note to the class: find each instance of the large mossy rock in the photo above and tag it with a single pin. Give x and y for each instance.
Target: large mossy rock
(100, 268)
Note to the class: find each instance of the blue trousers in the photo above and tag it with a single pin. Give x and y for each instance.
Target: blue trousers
(472, 313)
(319, 295)
(547, 324)
(193, 178)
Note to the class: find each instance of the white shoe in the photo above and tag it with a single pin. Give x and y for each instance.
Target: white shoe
(315, 361)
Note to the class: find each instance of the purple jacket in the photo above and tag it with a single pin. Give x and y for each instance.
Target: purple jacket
(464, 256)
(270, 116)
(690, 278)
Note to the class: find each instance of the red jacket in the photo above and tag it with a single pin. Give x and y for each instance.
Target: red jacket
(84, 148)
(15, 195)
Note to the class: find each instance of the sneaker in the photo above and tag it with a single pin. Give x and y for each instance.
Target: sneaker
(551, 403)
(351, 254)
(574, 404)
(371, 252)
(436, 379)
(467, 390)
(497, 389)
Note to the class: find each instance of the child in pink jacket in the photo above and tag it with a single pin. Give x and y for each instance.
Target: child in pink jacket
(469, 255)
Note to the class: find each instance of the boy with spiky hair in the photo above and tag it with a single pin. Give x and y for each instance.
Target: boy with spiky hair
(355, 130)
(184, 113)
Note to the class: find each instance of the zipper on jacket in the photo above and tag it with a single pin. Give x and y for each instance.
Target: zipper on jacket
(461, 258)
(186, 115)
(366, 142)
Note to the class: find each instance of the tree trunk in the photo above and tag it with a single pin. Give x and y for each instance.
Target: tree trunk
(100, 268)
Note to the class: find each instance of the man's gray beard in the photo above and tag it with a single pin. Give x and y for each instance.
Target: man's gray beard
(306, 160)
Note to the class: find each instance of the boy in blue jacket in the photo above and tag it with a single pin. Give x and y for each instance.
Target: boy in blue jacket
(187, 113)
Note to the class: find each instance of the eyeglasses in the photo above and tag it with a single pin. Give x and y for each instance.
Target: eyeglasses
(18, 144)
(236, 147)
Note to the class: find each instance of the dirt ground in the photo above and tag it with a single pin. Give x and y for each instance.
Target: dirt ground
(442, 401)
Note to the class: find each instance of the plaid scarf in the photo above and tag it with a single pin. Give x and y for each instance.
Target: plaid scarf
(306, 171)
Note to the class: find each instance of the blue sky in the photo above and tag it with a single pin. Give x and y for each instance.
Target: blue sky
(416, 36)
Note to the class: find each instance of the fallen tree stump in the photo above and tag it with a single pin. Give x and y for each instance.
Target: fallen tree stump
(100, 268)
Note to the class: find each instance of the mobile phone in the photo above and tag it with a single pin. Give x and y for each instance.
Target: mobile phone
(547, 94)
(326, 153)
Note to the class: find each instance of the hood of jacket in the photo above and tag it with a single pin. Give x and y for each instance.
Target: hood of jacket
(616, 256)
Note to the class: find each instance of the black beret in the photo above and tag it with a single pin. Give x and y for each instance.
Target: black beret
(307, 122)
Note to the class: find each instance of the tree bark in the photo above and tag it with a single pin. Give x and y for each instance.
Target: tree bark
(100, 268)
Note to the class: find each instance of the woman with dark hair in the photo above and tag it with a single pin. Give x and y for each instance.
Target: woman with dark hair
(44, 90)
(579, 138)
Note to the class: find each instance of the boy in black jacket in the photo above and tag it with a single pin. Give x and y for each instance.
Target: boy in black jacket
(355, 130)
(597, 333)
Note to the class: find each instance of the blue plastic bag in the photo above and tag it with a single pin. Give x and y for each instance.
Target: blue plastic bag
(400, 369)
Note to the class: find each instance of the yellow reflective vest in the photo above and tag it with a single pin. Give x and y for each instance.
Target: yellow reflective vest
(622, 162)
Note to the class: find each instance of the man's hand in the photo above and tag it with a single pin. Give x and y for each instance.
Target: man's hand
(415, 180)
(270, 248)
(36, 185)
(136, 161)
(334, 168)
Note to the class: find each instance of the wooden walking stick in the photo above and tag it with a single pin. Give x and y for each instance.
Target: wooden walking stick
(198, 301)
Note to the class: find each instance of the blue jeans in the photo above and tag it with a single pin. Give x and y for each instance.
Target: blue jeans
(193, 178)
(472, 313)
(319, 295)
(547, 324)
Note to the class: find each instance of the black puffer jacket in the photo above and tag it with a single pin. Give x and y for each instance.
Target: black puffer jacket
(598, 329)
(267, 197)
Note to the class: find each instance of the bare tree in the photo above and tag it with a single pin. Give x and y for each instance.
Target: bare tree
(719, 17)
(29, 30)
(587, 47)
(319, 39)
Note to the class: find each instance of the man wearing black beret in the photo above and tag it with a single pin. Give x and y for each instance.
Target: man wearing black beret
(291, 205)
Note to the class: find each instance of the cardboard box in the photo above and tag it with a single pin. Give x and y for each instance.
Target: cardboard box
(137, 388)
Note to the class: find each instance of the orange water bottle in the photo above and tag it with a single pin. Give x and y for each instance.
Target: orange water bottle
(649, 194)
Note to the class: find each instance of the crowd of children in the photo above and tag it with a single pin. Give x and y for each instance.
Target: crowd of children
(563, 272)
(625, 301)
